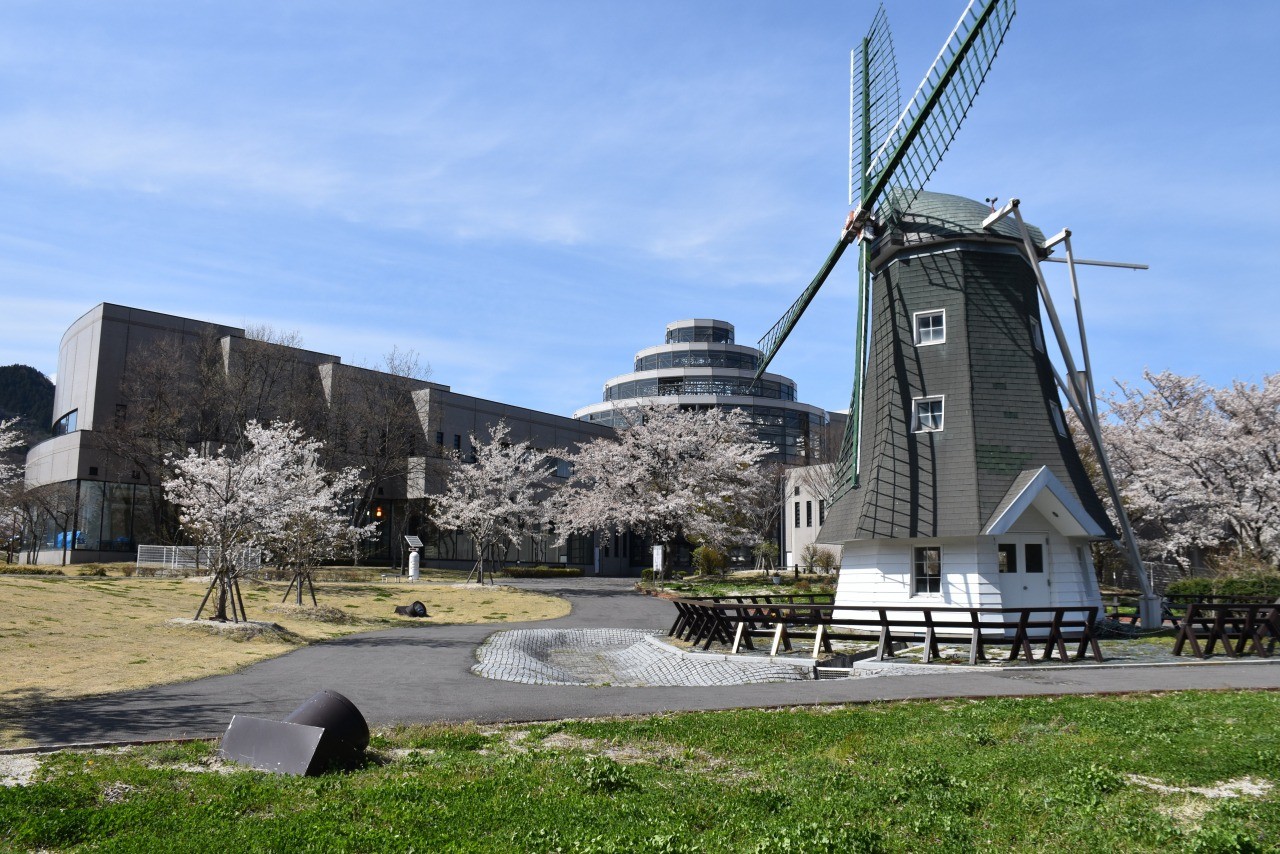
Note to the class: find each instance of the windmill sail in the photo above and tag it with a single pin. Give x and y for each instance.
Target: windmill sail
(874, 99)
(914, 146)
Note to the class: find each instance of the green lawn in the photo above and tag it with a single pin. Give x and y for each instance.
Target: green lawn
(994, 775)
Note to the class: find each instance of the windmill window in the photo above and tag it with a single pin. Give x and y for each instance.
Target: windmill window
(1059, 423)
(1007, 557)
(808, 514)
(1037, 335)
(797, 514)
(930, 327)
(822, 511)
(926, 415)
(926, 570)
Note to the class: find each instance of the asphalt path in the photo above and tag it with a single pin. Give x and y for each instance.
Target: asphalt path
(422, 674)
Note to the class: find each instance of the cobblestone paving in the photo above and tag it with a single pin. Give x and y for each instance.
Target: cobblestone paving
(622, 657)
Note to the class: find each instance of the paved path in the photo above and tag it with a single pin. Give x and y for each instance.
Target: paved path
(423, 674)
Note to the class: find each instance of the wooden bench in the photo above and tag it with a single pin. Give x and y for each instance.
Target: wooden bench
(1237, 626)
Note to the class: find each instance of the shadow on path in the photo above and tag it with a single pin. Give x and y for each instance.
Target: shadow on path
(423, 674)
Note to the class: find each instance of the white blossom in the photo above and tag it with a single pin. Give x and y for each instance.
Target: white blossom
(254, 497)
(497, 496)
(1199, 467)
(10, 439)
(673, 472)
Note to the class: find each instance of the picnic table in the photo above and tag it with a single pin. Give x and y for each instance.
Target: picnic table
(1238, 626)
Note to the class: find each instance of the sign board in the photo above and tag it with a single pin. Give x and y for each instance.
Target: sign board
(414, 542)
(657, 561)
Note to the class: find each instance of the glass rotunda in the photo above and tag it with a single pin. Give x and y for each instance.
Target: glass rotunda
(699, 367)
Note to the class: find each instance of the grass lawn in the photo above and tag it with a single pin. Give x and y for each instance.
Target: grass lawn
(71, 637)
(1176, 772)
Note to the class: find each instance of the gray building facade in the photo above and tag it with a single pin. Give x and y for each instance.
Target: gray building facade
(113, 503)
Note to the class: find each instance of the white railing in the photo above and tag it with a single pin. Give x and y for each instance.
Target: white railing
(184, 558)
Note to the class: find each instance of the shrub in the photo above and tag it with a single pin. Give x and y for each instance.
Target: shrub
(709, 560)
(646, 575)
(827, 561)
(1190, 587)
(15, 569)
(1257, 582)
(542, 571)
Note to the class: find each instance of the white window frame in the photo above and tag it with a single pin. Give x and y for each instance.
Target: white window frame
(915, 326)
(916, 426)
(1037, 334)
(915, 578)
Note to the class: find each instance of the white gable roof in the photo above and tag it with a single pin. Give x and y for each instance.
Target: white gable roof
(1041, 489)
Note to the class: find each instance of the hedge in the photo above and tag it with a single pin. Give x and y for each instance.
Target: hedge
(542, 571)
(1261, 583)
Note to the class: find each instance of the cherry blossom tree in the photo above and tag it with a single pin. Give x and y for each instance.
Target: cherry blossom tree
(495, 497)
(1199, 467)
(247, 498)
(673, 472)
(310, 522)
(10, 440)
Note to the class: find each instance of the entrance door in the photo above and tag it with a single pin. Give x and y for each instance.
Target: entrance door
(1024, 571)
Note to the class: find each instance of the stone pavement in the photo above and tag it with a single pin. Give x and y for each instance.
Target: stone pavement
(423, 674)
(623, 657)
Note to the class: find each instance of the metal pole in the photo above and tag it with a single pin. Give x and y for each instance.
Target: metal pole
(1149, 607)
(1084, 340)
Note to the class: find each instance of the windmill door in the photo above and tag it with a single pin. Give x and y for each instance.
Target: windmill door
(1024, 571)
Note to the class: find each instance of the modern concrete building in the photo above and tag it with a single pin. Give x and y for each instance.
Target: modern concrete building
(113, 502)
(971, 490)
(700, 366)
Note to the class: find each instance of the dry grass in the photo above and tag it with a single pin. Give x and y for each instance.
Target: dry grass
(72, 637)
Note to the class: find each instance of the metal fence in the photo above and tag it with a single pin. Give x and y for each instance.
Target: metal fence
(183, 559)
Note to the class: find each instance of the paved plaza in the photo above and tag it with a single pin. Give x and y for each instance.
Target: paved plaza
(424, 674)
(622, 657)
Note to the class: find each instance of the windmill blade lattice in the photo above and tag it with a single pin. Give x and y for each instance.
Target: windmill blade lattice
(875, 101)
(915, 146)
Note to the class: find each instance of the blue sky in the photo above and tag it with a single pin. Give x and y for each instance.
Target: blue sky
(526, 193)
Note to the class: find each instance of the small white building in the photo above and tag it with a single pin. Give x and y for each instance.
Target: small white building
(804, 510)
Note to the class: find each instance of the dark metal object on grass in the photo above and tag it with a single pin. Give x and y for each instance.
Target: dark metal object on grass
(417, 609)
(325, 732)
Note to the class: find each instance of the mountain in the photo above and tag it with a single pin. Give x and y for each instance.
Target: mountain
(27, 394)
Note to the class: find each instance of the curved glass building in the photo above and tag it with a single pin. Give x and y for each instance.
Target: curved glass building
(698, 367)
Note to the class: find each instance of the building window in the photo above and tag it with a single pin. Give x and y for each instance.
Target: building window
(808, 514)
(926, 570)
(930, 327)
(66, 424)
(797, 514)
(926, 414)
(1037, 335)
(1059, 423)
(1035, 557)
(457, 442)
(1007, 557)
(822, 511)
(122, 412)
(439, 438)
(797, 490)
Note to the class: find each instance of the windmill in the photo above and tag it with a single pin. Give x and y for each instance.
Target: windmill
(955, 454)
